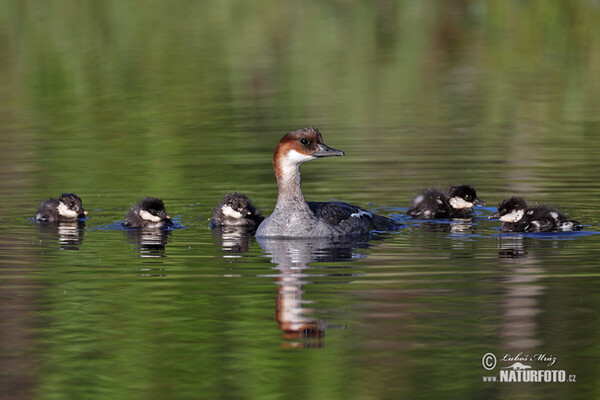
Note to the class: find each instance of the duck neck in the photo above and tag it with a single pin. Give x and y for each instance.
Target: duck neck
(290, 197)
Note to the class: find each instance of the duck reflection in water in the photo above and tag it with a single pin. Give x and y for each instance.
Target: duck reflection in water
(456, 225)
(68, 234)
(234, 240)
(292, 257)
(149, 242)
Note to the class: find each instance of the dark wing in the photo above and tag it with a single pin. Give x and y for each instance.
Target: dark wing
(346, 215)
(334, 212)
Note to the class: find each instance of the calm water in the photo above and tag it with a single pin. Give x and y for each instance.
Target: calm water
(118, 100)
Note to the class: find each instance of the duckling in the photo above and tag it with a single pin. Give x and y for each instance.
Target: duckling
(68, 207)
(148, 213)
(236, 210)
(517, 217)
(457, 202)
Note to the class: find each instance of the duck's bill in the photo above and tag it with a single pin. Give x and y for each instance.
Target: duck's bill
(326, 151)
(479, 202)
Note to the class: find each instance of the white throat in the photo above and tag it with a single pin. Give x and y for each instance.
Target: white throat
(65, 211)
(149, 217)
(230, 212)
(513, 216)
(291, 162)
(458, 202)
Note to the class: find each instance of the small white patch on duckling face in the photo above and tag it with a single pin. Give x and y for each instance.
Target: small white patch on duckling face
(149, 217)
(230, 212)
(458, 202)
(361, 213)
(65, 211)
(513, 216)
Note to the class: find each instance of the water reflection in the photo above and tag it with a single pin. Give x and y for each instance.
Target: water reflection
(149, 242)
(68, 234)
(292, 258)
(522, 290)
(233, 240)
(455, 225)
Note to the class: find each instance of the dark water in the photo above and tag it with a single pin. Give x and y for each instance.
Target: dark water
(116, 101)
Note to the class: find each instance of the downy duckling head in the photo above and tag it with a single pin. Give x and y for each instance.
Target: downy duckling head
(153, 210)
(236, 209)
(510, 210)
(71, 206)
(463, 196)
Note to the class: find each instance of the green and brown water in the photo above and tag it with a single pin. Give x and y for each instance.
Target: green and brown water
(117, 100)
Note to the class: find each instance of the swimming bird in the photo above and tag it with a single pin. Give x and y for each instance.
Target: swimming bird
(457, 202)
(148, 213)
(68, 207)
(517, 217)
(236, 210)
(293, 216)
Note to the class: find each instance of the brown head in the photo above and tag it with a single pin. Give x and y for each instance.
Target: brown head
(300, 146)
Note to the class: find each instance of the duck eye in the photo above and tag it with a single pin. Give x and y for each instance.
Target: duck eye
(304, 141)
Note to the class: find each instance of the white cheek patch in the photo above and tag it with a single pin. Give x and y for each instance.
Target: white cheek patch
(292, 160)
(149, 217)
(513, 216)
(457, 202)
(361, 213)
(230, 212)
(294, 157)
(65, 211)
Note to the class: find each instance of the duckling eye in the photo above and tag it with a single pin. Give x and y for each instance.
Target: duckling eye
(304, 141)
